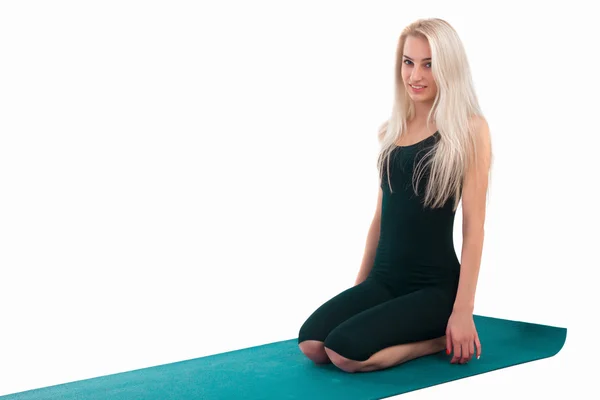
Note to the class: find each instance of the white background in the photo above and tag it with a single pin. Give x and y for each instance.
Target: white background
(180, 179)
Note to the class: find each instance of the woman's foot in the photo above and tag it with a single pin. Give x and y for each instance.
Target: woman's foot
(439, 344)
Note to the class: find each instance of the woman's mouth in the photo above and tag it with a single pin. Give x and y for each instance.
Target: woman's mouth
(417, 88)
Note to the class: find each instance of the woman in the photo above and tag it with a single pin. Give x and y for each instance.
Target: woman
(412, 296)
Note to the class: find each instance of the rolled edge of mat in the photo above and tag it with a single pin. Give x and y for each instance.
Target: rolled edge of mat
(561, 343)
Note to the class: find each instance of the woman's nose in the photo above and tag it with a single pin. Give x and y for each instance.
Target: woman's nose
(416, 74)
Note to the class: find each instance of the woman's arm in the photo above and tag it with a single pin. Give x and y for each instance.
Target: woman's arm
(474, 203)
(371, 245)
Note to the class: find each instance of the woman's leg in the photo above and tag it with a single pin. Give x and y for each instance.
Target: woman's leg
(338, 309)
(401, 329)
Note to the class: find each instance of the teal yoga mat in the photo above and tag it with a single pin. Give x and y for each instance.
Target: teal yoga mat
(280, 371)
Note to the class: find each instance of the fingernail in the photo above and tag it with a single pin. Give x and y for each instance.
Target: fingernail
(447, 351)
(478, 357)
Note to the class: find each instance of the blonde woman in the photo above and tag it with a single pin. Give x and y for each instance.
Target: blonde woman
(412, 296)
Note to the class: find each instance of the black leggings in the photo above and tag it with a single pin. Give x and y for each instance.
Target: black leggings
(369, 317)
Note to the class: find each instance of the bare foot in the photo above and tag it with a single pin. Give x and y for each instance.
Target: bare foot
(440, 343)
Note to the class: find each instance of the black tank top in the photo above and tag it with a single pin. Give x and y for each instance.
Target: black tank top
(415, 243)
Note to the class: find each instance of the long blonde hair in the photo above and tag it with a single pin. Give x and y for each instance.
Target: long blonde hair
(454, 111)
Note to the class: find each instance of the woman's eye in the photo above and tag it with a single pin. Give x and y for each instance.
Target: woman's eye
(405, 61)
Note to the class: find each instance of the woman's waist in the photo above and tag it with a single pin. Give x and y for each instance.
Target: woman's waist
(419, 256)
(426, 248)
(414, 276)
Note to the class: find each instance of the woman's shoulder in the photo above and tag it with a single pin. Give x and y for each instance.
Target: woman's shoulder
(479, 124)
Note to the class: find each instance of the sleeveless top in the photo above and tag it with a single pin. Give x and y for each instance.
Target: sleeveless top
(415, 242)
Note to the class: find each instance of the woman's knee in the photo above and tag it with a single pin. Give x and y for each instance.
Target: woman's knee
(314, 350)
(347, 344)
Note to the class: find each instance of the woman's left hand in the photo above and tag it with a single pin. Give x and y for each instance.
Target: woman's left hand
(462, 336)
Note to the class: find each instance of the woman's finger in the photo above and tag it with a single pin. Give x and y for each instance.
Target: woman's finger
(478, 344)
(465, 352)
(471, 348)
(457, 352)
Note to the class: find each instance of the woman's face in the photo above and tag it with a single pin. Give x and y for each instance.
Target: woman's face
(416, 69)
